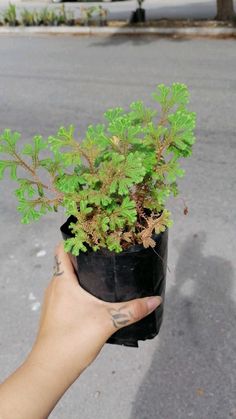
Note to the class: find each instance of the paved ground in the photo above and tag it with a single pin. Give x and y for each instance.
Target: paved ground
(172, 9)
(189, 370)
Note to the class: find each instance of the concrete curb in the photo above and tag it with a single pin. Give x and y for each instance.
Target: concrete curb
(72, 30)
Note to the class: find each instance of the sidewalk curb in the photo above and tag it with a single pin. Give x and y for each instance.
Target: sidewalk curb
(71, 30)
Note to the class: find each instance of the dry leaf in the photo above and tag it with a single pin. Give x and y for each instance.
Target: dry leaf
(148, 242)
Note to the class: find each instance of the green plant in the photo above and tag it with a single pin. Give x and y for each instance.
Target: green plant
(86, 14)
(102, 15)
(93, 13)
(47, 17)
(9, 15)
(29, 18)
(62, 16)
(65, 17)
(115, 182)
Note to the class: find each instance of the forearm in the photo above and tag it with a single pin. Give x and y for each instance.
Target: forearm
(34, 389)
(74, 326)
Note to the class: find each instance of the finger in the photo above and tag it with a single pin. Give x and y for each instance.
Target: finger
(62, 264)
(122, 315)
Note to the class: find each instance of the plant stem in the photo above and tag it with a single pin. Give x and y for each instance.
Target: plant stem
(166, 142)
(82, 152)
(139, 207)
(37, 181)
(29, 169)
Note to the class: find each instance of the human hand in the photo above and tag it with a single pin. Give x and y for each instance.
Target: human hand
(73, 328)
(74, 324)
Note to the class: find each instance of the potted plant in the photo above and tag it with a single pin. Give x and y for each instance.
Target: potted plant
(139, 15)
(113, 184)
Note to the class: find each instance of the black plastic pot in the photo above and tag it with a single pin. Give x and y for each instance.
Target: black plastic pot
(138, 16)
(117, 277)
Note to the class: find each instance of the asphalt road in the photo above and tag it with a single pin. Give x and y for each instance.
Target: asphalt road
(189, 370)
(170, 9)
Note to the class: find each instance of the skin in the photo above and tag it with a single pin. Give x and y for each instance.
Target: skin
(73, 328)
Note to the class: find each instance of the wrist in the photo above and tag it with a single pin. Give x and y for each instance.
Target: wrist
(54, 361)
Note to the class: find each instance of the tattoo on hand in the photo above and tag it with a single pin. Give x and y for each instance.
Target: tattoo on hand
(120, 317)
(56, 267)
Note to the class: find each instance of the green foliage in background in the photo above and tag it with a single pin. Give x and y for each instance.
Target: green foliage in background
(44, 16)
(9, 15)
(115, 181)
(92, 15)
(54, 17)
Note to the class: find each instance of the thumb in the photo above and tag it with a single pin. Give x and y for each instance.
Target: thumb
(124, 314)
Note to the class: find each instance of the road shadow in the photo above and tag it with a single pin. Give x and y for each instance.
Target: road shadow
(192, 373)
(135, 40)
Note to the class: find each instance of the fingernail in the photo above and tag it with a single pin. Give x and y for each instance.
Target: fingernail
(153, 302)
